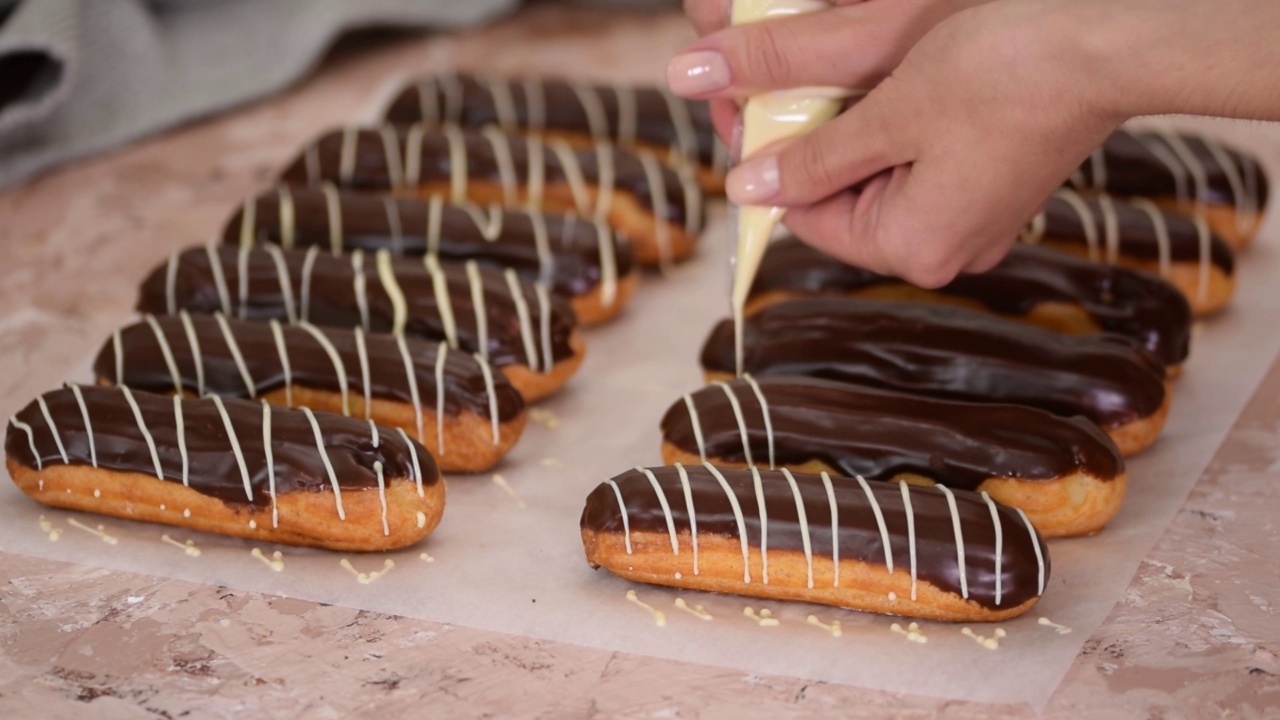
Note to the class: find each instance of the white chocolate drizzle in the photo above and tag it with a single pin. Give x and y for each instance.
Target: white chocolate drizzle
(696, 422)
(117, 351)
(1088, 222)
(487, 373)
(192, 341)
(1170, 161)
(417, 468)
(242, 280)
(271, 463)
(411, 377)
(959, 534)
(573, 175)
(339, 367)
(764, 618)
(833, 628)
(522, 314)
(308, 267)
(1059, 629)
(444, 304)
(764, 412)
(801, 517)
(666, 508)
(391, 286)
(911, 632)
(180, 429)
(506, 487)
(504, 103)
(835, 529)
(394, 224)
(911, 533)
(442, 356)
(413, 154)
(311, 159)
(737, 516)
(1110, 228)
(593, 109)
(990, 643)
(693, 517)
(1161, 228)
(1199, 176)
(606, 179)
(535, 102)
(278, 333)
(166, 352)
(742, 423)
(544, 325)
(659, 617)
(608, 265)
(477, 300)
(88, 426)
(31, 440)
(625, 95)
(1098, 168)
(1204, 240)
(324, 458)
(884, 531)
(333, 208)
(536, 151)
(288, 217)
(171, 285)
(100, 531)
(248, 221)
(458, 169)
(998, 527)
(682, 123)
(359, 287)
(764, 526)
(219, 279)
(189, 547)
(282, 276)
(347, 154)
(234, 348)
(1035, 543)
(235, 445)
(362, 354)
(365, 578)
(146, 433)
(391, 155)
(542, 244)
(382, 486)
(626, 518)
(501, 144)
(275, 562)
(658, 192)
(695, 610)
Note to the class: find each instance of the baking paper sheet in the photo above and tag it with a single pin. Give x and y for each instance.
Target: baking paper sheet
(514, 563)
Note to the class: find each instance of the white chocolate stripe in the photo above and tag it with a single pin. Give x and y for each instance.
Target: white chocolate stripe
(362, 354)
(235, 445)
(373, 432)
(911, 533)
(608, 266)
(593, 108)
(1244, 202)
(146, 433)
(803, 519)
(1161, 229)
(170, 285)
(658, 191)
(31, 440)
(435, 214)
(166, 352)
(288, 217)
(1035, 543)
(118, 351)
(339, 367)
(278, 333)
(180, 429)
(504, 103)
(835, 530)
(606, 179)
(193, 342)
(442, 356)
(1098, 167)
(271, 462)
(411, 378)
(248, 221)
(1033, 233)
(572, 172)
(764, 412)
(542, 243)
(219, 278)
(394, 224)
(693, 517)
(428, 102)
(522, 314)
(382, 495)
(391, 286)
(955, 527)
(764, 525)
(693, 200)
(1199, 177)
(737, 516)
(282, 276)
(536, 151)
(53, 428)
(391, 153)
(359, 287)
(1110, 228)
(544, 325)
(234, 349)
(333, 208)
(458, 169)
(884, 531)
(697, 426)
(535, 102)
(444, 304)
(666, 508)
(347, 154)
(477, 300)
(413, 154)
(627, 114)
(324, 458)
(1204, 240)
(242, 280)
(413, 453)
(682, 122)
(452, 86)
(1088, 222)
(501, 144)
(308, 267)
(626, 519)
(1170, 161)
(488, 222)
(999, 548)
(487, 372)
(742, 422)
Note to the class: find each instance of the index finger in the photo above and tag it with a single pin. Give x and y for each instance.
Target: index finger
(708, 16)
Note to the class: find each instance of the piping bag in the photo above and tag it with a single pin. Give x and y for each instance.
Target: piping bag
(766, 119)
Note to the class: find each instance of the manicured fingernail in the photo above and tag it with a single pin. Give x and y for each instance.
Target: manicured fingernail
(753, 182)
(698, 73)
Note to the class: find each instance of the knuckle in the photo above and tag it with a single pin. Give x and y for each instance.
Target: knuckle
(809, 172)
(765, 56)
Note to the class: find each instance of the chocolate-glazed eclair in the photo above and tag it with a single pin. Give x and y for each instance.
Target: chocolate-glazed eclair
(633, 116)
(1065, 473)
(654, 207)
(466, 414)
(580, 259)
(1139, 235)
(1189, 174)
(956, 354)
(927, 552)
(235, 467)
(1033, 285)
(518, 327)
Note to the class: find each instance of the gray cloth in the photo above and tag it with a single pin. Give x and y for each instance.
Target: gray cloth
(81, 76)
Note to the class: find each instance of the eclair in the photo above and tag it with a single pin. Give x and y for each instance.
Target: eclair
(465, 413)
(1189, 174)
(926, 552)
(657, 209)
(1064, 473)
(953, 353)
(234, 467)
(639, 117)
(1139, 235)
(1033, 285)
(518, 327)
(580, 259)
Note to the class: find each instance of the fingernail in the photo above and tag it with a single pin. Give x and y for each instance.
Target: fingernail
(753, 182)
(698, 73)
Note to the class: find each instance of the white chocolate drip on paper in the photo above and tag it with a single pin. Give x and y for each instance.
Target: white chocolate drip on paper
(833, 628)
(188, 547)
(737, 516)
(365, 578)
(666, 507)
(1035, 543)
(235, 445)
(275, 562)
(998, 527)
(48, 528)
(911, 533)
(417, 467)
(192, 341)
(283, 351)
(88, 426)
(693, 516)
(695, 610)
(31, 440)
(802, 518)
(324, 458)
(180, 429)
(659, 617)
(271, 463)
(100, 531)
(1060, 629)
(146, 433)
(764, 618)
(506, 487)
(911, 632)
(339, 367)
(626, 518)
(234, 348)
(411, 377)
(959, 534)
(990, 643)
(742, 423)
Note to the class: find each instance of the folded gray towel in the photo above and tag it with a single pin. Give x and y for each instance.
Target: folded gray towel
(81, 76)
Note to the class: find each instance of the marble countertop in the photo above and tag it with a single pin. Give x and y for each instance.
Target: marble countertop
(1196, 634)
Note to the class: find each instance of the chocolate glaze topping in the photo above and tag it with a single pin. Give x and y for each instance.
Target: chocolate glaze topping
(1137, 235)
(1119, 300)
(572, 264)
(1132, 164)
(947, 352)
(1021, 571)
(652, 115)
(379, 164)
(879, 434)
(329, 295)
(212, 361)
(118, 443)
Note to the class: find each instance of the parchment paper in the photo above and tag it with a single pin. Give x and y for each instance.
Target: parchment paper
(518, 567)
